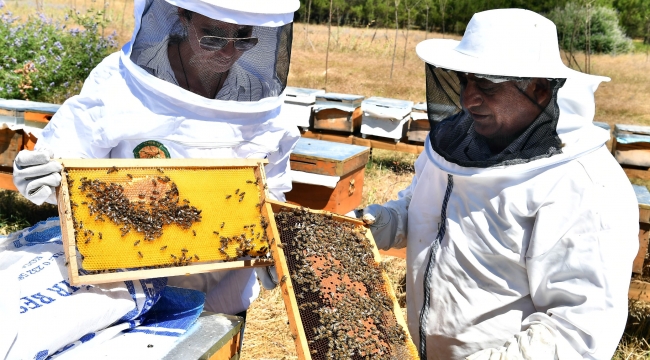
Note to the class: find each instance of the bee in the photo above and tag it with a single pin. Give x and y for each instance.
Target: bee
(186, 201)
(156, 192)
(141, 195)
(281, 246)
(223, 224)
(215, 232)
(129, 176)
(184, 250)
(87, 241)
(84, 203)
(100, 236)
(258, 205)
(194, 232)
(249, 181)
(242, 194)
(228, 197)
(140, 254)
(81, 224)
(136, 243)
(163, 248)
(160, 170)
(154, 183)
(111, 170)
(196, 257)
(173, 256)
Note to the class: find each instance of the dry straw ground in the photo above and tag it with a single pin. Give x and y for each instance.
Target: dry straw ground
(360, 63)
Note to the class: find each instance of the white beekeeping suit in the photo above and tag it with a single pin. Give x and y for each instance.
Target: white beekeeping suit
(522, 254)
(199, 79)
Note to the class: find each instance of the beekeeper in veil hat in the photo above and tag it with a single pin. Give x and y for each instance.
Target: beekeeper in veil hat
(199, 79)
(520, 227)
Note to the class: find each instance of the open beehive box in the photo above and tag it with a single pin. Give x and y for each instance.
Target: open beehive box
(126, 219)
(339, 299)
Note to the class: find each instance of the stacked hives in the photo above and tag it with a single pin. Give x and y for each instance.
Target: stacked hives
(338, 297)
(152, 217)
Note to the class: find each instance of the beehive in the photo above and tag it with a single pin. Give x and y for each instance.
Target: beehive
(339, 299)
(149, 214)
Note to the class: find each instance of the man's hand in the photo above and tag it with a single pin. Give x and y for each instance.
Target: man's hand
(375, 216)
(36, 176)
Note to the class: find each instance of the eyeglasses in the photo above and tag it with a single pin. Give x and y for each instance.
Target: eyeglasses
(216, 43)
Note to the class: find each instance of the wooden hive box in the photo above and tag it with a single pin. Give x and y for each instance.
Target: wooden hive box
(418, 126)
(631, 146)
(127, 219)
(338, 112)
(29, 113)
(339, 300)
(330, 159)
(385, 117)
(298, 105)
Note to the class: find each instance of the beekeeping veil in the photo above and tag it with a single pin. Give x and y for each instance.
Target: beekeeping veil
(507, 45)
(231, 55)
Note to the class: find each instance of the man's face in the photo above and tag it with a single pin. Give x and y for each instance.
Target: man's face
(215, 61)
(500, 110)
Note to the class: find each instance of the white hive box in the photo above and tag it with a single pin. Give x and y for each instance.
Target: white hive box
(385, 117)
(298, 104)
(338, 112)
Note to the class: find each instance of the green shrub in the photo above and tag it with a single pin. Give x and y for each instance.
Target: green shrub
(42, 59)
(606, 33)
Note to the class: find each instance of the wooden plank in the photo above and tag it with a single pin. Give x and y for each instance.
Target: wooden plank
(418, 130)
(11, 142)
(67, 230)
(228, 350)
(327, 157)
(7, 181)
(286, 285)
(644, 214)
(185, 163)
(639, 290)
(644, 236)
(636, 172)
(38, 117)
(170, 271)
(372, 143)
(345, 197)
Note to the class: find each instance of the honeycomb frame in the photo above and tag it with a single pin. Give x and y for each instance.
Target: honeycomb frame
(70, 238)
(288, 293)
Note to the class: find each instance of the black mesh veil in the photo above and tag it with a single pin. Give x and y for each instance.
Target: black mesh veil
(452, 128)
(443, 93)
(215, 59)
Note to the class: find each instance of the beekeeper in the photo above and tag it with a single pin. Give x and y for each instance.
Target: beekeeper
(520, 227)
(199, 79)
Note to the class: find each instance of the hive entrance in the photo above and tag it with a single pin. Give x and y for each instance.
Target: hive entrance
(345, 302)
(168, 215)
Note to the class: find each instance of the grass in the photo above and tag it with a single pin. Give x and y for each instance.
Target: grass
(360, 62)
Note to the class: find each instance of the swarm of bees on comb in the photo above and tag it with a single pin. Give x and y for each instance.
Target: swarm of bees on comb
(148, 212)
(343, 299)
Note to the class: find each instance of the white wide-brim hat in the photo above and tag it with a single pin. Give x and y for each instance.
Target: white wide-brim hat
(503, 42)
(246, 12)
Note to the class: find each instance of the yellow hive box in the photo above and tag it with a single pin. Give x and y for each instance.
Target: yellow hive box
(161, 217)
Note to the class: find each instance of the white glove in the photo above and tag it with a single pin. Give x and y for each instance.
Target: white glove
(382, 223)
(36, 176)
(268, 277)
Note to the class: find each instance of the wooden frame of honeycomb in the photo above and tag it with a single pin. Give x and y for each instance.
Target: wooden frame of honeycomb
(326, 291)
(128, 219)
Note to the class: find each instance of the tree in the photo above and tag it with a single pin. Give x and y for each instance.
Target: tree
(408, 24)
(392, 65)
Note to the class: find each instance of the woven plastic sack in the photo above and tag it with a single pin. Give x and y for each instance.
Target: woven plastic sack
(42, 313)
